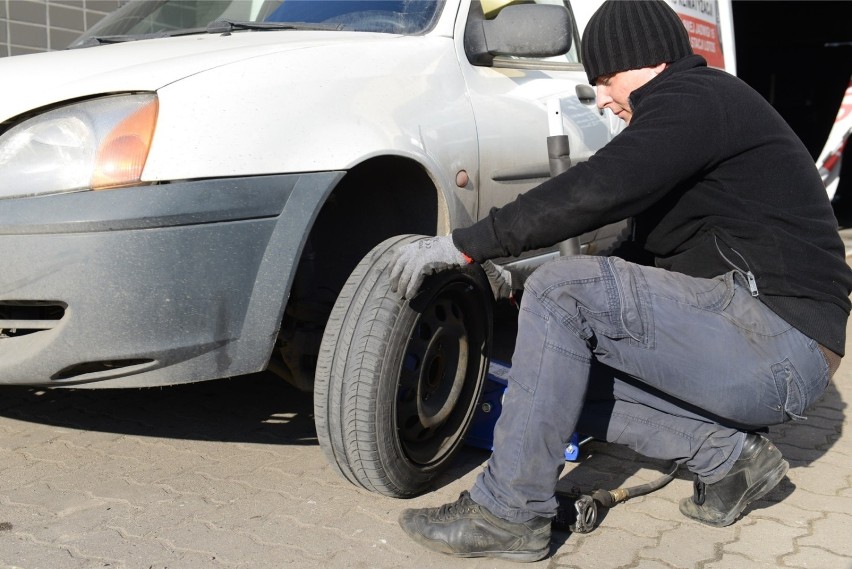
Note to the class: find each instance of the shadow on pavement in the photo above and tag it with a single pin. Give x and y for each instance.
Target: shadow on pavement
(252, 408)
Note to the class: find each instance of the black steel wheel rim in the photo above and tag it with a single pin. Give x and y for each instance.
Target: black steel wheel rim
(440, 372)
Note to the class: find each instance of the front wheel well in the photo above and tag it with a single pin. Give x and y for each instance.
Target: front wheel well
(377, 199)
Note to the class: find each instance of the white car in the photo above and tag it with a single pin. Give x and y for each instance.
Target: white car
(185, 192)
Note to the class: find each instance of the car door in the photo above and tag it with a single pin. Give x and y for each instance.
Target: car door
(515, 102)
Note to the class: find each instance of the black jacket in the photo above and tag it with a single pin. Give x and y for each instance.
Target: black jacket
(715, 180)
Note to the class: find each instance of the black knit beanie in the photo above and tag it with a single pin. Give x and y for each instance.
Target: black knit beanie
(631, 34)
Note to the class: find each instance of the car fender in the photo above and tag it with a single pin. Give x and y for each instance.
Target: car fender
(277, 113)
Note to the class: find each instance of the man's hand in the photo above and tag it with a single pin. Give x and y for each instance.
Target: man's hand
(411, 263)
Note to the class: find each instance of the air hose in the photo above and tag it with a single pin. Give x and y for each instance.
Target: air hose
(578, 512)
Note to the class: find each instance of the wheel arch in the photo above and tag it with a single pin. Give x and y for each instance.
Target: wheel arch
(380, 197)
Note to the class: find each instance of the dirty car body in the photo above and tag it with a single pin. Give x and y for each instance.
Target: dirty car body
(183, 193)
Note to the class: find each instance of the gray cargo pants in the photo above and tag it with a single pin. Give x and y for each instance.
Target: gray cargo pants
(675, 367)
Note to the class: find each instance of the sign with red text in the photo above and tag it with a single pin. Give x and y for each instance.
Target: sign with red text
(701, 20)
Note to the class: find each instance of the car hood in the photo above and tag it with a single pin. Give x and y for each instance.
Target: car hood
(44, 79)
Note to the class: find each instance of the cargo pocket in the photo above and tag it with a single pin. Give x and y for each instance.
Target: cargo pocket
(791, 392)
(632, 317)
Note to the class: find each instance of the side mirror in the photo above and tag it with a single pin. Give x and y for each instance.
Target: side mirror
(523, 30)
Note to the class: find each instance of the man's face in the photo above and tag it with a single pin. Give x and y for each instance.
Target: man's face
(613, 91)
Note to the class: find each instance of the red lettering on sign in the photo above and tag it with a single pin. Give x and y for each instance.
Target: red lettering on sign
(704, 39)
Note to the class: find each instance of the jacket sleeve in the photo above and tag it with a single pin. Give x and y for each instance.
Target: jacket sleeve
(665, 147)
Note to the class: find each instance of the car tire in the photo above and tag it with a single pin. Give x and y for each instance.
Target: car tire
(398, 382)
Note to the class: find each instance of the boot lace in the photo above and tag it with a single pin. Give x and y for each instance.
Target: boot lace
(464, 505)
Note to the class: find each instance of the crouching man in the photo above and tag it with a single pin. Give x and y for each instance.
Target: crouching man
(737, 322)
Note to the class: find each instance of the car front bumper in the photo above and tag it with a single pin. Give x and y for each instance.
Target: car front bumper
(152, 285)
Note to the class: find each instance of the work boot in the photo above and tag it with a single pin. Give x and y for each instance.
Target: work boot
(758, 470)
(465, 529)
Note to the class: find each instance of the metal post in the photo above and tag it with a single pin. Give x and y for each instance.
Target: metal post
(559, 156)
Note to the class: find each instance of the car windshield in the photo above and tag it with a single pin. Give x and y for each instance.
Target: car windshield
(153, 18)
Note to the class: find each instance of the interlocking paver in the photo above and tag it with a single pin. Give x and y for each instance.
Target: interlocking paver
(816, 558)
(832, 533)
(773, 539)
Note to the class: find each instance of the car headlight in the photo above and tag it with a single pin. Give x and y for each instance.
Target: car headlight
(96, 144)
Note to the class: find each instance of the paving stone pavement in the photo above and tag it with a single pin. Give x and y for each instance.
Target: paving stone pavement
(228, 474)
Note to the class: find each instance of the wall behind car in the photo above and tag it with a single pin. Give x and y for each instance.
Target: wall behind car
(32, 26)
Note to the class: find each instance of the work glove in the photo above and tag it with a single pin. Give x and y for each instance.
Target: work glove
(413, 262)
(500, 280)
